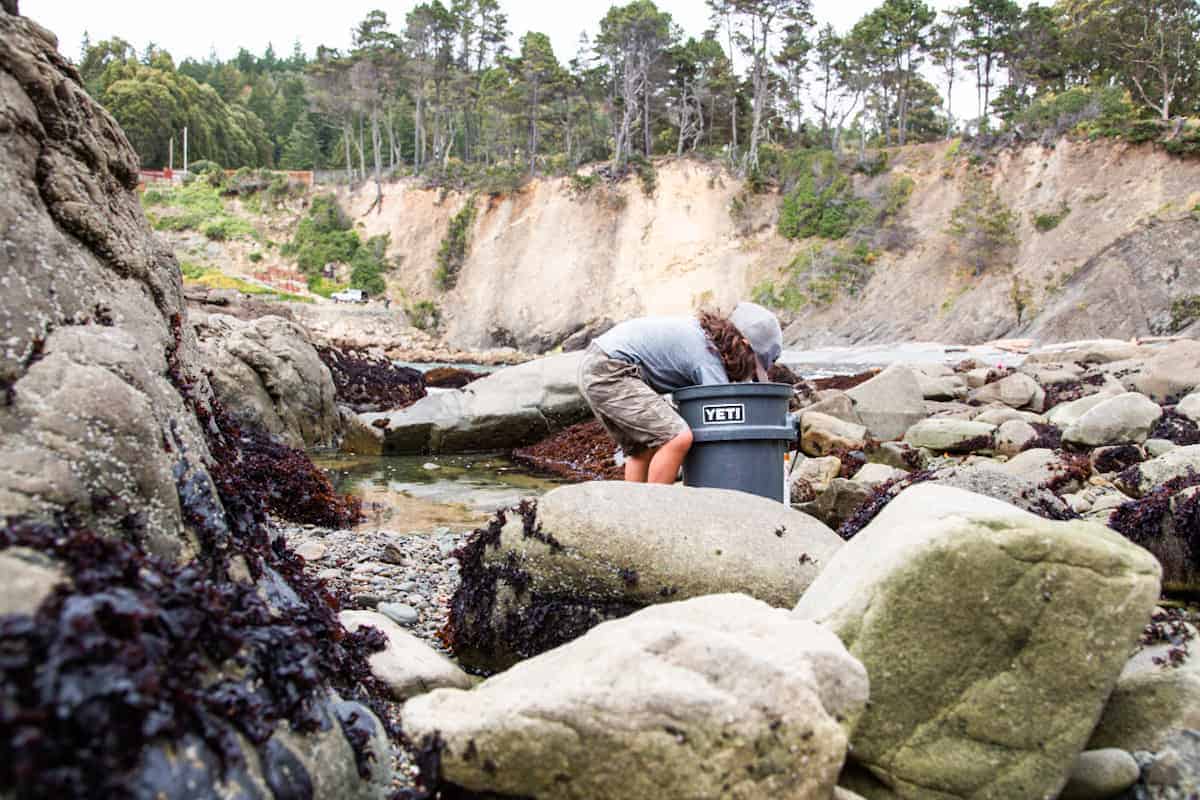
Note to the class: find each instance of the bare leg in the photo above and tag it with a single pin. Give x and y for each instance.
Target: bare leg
(664, 466)
(637, 467)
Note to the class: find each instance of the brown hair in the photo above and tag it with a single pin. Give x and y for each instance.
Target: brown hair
(727, 341)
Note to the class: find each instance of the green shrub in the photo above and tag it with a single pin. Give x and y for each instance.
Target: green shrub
(1184, 312)
(255, 257)
(324, 236)
(191, 269)
(822, 202)
(645, 172)
(319, 284)
(1186, 144)
(983, 224)
(152, 197)
(225, 228)
(368, 265)
(425, 315)
(203, 167)
(872, 167)
(582, 184)
(455, 246)
(896, 196)
(1049, 221)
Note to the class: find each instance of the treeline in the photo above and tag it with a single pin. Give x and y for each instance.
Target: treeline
(442, 93)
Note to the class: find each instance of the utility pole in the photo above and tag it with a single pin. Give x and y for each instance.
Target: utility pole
(171, 154)
(185, 169)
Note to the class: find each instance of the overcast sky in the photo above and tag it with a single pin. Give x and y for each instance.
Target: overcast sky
(227, 25)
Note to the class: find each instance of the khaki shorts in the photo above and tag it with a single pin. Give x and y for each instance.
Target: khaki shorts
(635, 416)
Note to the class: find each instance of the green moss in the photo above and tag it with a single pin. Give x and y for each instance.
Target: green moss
(1049, 221)
(455, 246)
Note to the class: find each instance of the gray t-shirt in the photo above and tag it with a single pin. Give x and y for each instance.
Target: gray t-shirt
(672, 352)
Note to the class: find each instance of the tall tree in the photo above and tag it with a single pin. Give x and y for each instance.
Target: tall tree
(946, 49)
(989, 27)
(1153, 44)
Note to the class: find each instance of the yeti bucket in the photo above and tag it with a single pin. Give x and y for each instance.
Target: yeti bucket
(740, 433)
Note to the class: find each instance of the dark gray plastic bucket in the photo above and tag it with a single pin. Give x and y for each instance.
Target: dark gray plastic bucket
(740, 434)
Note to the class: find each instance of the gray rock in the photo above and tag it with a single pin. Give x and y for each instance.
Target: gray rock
(1175, 463)
(1158, 447)
(1045, 468)
(815, 473)
(821, 434)
(1124, 419)
(1015, 391)
(1172, 371)
(905, 596)
(718, 696)
(509, 408)
(873, 475)
(835, 403)
(1173, 773)
(408, 665)
(1157, 695)
(400, 612)
(994, 481)
(27, 578)
(890, 403)
(942, 387)
(614, 547)
(1095, 351)
(1100, 774)
(898, 455)
(1066, 414)
(268, 375)
(1014, 436)
(839, 502)
(951, 435)
(1190, 406)
(312, 551)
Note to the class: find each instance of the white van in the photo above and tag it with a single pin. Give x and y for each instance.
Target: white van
(349, 296)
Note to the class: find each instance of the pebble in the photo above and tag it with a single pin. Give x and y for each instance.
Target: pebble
(331, 574)
(429, 465)
(392, 554)
(366, 600)
(407, 586)
(400, 613)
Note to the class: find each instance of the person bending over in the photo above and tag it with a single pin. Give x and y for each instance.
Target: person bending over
(625, 371)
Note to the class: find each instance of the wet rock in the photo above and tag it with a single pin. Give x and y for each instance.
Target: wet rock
(950, 435)
(534, 579)
(1173, 772)
(1117, 458)
(821, 434)
(947, 690)
(27, 577)
(890, 403)
(268, 376)
(1015, 391)
(718, 696)
(408, 665)
(1124, 419)
(450, 377)
(509, 408)
(401, 613)
(1100, 774)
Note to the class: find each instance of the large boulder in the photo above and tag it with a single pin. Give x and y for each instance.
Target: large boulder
(962, 709)
(1124, 419)
(890, 403)
(715, 697)
(90, 421)
(268, 375)
(602, 549)
(1171, 372)
(1094, 351)
(510, 408)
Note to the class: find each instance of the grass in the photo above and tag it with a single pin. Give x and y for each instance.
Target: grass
(196, 207)
(1049, 221)
(199, 275)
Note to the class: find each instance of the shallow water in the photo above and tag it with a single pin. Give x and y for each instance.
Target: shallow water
(415, 493)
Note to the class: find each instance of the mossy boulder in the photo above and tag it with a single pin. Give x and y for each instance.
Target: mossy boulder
(992, 637)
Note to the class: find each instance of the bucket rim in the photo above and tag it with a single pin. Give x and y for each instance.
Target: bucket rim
(734, 390)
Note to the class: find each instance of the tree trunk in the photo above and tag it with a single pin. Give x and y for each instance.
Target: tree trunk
(376, 144)
(347, 135)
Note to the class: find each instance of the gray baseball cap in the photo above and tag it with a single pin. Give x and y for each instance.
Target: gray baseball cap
(761, 329)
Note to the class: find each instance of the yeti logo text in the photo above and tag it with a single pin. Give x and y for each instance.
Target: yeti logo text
(725, 415)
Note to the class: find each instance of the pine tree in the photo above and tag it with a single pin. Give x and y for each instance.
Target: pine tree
(302, 151)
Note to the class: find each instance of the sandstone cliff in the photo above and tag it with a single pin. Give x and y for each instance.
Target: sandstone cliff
(545, 262)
